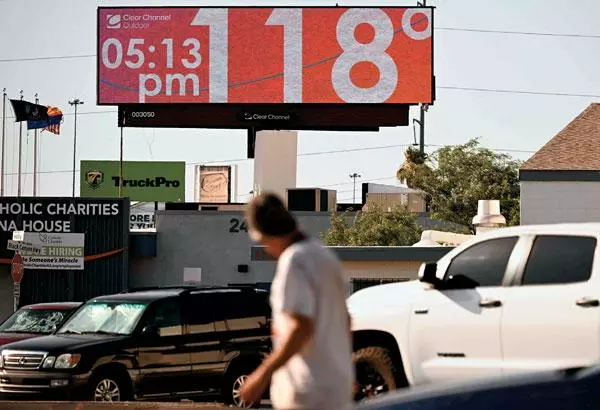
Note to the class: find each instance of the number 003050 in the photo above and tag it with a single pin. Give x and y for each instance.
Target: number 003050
(291, 22)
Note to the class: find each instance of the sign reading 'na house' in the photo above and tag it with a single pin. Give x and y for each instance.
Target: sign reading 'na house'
(146, 181)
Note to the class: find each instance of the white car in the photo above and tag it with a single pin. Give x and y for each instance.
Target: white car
(512, 300)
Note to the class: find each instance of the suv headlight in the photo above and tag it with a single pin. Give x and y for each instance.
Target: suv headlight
(66, 361)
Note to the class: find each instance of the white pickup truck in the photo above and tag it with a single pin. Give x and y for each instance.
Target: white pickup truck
(511, 300)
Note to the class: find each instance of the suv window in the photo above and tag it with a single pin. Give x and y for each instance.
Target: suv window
(200, 313)
(242, 310)
(166, 315)
(560, 259)
(485, 263)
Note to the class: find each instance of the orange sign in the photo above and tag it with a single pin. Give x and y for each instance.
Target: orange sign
(332, 55)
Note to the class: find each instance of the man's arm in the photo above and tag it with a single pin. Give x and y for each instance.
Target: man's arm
(302, 329)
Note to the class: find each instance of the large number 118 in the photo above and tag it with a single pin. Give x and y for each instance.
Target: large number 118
(353, 52)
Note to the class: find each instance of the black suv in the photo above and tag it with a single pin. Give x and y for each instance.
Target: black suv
(146, 344)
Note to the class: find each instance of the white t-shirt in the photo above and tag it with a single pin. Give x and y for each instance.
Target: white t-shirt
(309, 281)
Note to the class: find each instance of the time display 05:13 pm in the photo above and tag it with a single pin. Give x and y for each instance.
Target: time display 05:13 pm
(113, 53)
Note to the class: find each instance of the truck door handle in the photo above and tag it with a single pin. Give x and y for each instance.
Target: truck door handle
(490, 303)
(588, 302)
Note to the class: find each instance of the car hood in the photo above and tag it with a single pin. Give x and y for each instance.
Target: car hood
(62, 342)
(10, 337)
(454, 395)
(376, 298)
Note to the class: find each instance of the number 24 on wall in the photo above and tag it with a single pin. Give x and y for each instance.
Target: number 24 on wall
(236, 226)
(353, 52)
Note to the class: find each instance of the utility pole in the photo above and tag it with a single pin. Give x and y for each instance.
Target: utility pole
(35, 142)
(3, 140)
(76, 102)
(354, 176)
(20, 149)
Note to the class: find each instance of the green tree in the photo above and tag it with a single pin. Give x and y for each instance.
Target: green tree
(454, 178)
(373, 227)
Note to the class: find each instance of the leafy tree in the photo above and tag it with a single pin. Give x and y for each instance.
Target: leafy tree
(454, 178)
(373, 227)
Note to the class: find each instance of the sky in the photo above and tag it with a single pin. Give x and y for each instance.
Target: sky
(514, 122)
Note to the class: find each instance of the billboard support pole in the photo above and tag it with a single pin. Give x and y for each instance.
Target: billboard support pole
(3, 141)
(121, 165)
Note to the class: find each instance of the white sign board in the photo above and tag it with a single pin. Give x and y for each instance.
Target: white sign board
(60, 251)
(19, 246)
(141, 221)
(18, 235)
(192, 275)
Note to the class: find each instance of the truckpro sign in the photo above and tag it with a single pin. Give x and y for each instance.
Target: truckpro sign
(265, 55)
(147, 181)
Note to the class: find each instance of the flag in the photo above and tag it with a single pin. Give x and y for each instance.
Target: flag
(27, 111)
(52, 123)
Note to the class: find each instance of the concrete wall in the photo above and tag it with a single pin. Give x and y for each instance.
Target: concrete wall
(563, 201)
(212, 241)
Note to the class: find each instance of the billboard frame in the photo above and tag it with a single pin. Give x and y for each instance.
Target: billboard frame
(317, 105)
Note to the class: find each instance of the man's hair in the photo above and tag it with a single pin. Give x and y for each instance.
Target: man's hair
(266, 214)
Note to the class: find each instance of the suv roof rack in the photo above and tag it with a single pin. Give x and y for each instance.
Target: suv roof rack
(189, 288)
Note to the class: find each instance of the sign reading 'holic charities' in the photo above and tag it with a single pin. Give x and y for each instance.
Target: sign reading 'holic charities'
(237, 55)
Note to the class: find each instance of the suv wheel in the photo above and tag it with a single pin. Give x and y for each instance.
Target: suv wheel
(108, 386)
(374, 373)
(233, 386)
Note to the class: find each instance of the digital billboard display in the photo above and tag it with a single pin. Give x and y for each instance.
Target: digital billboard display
(265, 55)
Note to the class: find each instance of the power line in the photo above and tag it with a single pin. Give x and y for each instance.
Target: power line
(497, 90)
(520, 33)
(306, 154)
(468, 89)
(468, 30)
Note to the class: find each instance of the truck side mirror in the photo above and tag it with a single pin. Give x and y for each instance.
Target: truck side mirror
(427, 273)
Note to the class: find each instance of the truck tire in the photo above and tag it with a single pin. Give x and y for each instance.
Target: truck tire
(374, 373)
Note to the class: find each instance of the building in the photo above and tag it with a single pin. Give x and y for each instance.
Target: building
(561, 182)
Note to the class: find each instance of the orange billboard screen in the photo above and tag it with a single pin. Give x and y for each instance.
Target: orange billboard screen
(237, 55)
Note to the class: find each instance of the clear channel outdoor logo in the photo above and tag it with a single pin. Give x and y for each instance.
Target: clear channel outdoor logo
(113, 21)
(132, 21)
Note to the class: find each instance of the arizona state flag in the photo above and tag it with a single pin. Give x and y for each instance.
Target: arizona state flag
(52, 123)
(27, 111)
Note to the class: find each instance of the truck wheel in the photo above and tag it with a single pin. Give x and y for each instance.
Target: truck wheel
(234, 380)
(374, 373)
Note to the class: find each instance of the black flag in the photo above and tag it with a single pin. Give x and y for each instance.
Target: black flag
(26, 111)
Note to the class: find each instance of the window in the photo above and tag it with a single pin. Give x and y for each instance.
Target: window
(199, 313)
(40, 321)
(166, 315)
(242, 309)
(560, 259)
(116, 317)
(484, 263)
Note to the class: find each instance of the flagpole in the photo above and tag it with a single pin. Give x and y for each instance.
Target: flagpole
(35, 141)
(3, 140)
(75, 103)
(20, 153)
(121, 165)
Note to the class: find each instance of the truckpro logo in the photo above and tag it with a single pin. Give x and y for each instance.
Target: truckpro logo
(155, 182)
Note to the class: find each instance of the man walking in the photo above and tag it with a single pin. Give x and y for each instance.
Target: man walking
(311, 363)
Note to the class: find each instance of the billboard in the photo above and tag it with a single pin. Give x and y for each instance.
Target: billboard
(148, 181)
(213, 183)
(265, 55)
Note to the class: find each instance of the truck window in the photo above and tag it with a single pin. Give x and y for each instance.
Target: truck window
(485, 262)
(166, 315)
(560, 259)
